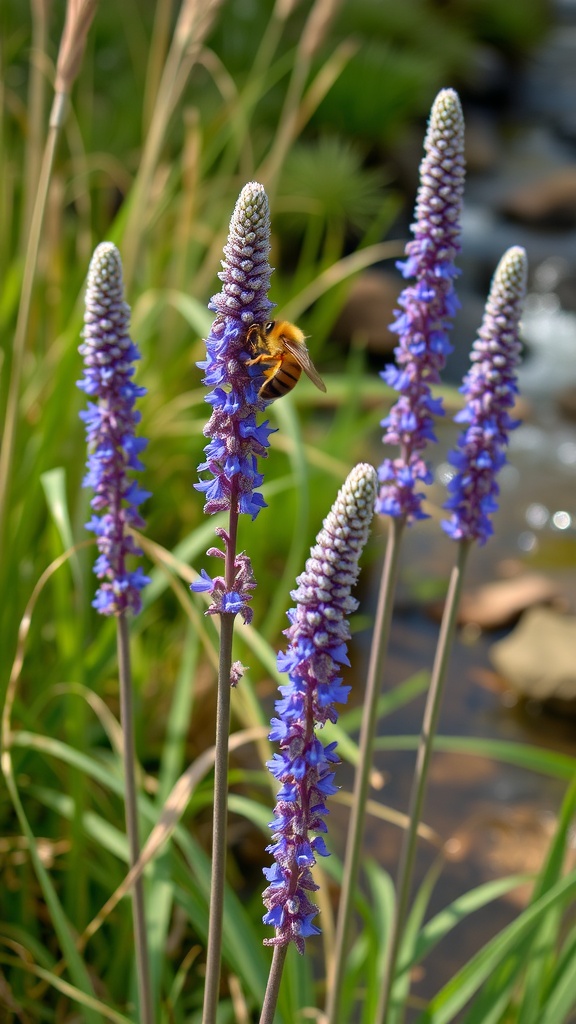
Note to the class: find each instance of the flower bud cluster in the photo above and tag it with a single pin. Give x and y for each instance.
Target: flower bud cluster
(109, 355)
(318, 635)
(235, 440)
(490, 388)
(422, 323)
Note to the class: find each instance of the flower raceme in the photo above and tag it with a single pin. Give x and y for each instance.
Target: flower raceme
(318, 635)
(427, 307)
(490, 388)
(109, 355)
(236, 441)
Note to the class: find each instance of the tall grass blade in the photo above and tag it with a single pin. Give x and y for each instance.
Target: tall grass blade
(466, 982)
(561, 993)
(78, 970)
(523, 755)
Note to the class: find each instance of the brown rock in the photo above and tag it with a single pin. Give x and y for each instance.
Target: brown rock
(537, 658)
(498, 604)
(506, 840)
(566, 402)
(549, 201)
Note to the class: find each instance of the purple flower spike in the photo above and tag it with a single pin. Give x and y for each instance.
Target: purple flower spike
(305, 767)
(490, 388)
(110, 432)
(427, 306)
(236, 442)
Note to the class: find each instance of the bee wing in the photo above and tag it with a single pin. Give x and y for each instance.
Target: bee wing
(302, 357)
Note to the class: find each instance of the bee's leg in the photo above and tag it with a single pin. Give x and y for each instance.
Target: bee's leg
(264, 358)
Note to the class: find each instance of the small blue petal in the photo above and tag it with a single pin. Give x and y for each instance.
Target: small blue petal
(205, 584)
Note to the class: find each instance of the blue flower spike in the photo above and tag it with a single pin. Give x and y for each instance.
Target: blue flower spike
(427, 307)
(318, 636)
(111, 420)
(236, 441)
(490, 388)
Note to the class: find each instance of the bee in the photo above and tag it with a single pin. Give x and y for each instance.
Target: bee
(282, 350)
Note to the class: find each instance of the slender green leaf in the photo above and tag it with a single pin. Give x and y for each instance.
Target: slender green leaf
(545, 941)
(287, 417)
(454, 996)
(160, 889)
(410, 933)
(252, 811)
(54, 484)
(497, 995)
(561, 992)
(548, 762)
(380, 911)
(442, 923)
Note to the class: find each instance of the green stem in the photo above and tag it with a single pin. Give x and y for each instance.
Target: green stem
(361, 781)
(424, 753)
(219, 842)
(126, 719)
(273, 986)
(220, 817)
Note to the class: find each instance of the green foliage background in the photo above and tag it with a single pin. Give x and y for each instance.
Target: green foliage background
(317, 127)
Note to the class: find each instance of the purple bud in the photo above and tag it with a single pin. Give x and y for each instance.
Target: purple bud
(110, 432)
(427, 306)
(490, 388)
(318, 635)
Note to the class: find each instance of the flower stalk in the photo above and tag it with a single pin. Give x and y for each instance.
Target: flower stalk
(490, 388)
(235, 444)
(419, 781)
(109, 355)
(427, 308)
(318, 637)
(378, 653)
(422, 324)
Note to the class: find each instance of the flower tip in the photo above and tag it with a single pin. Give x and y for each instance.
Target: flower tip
(106, 261)
(252, 190)
(447, 101)
(512, 271)
(444, 141)
(245, 268)
(363, 482)
(447, 121)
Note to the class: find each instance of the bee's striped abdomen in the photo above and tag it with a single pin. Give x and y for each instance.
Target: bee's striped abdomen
(281, 381)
